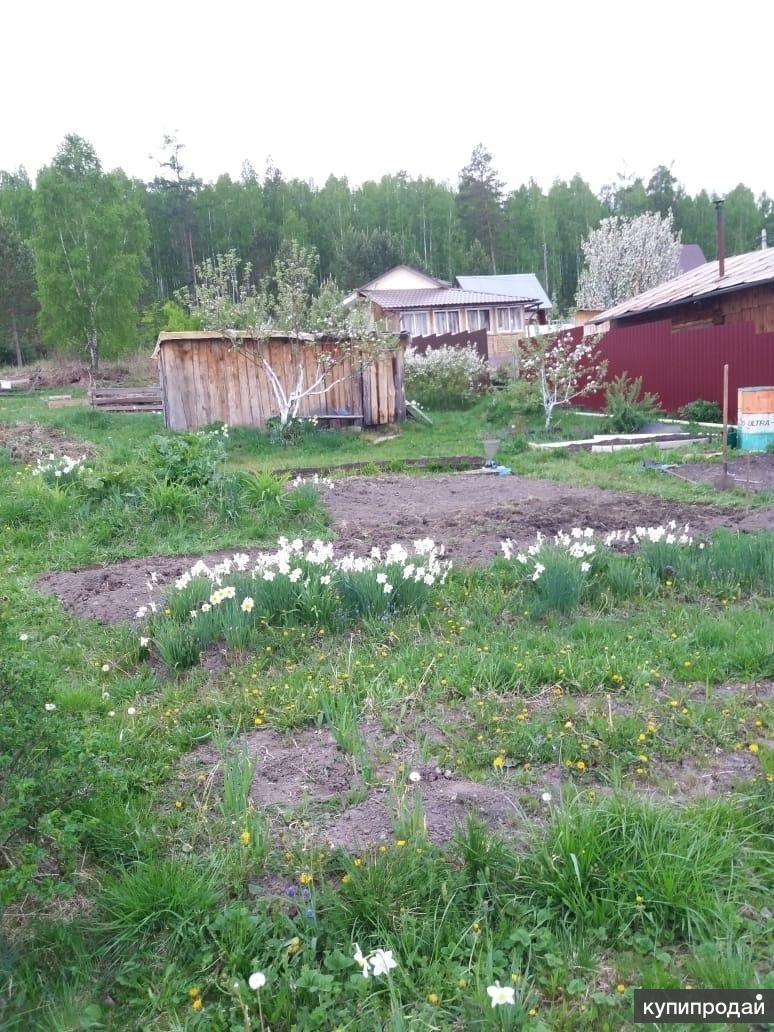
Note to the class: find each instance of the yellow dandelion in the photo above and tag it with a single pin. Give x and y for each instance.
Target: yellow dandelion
(400, 843)
(752, 747)
(581, 765)
(197, 1003)
(433, 999)
(305, 878)
(244, 838)
(620, 988)
(462, 984)
(194, 991)
(179, 804)
(498, 761)
(346, 879)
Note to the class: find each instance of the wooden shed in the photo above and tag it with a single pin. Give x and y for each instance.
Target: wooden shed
(207, 377)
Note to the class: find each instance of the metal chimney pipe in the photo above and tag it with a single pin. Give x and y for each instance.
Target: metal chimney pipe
(764, 239)
(721, 232)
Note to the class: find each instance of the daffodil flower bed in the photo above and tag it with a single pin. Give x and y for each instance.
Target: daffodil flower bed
(556, 573)
(234, 600)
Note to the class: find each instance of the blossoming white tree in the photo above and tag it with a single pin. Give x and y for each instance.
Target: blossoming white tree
(563, 369)
(624, 257)
(225, 299)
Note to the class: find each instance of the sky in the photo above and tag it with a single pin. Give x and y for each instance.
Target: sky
(363, 89)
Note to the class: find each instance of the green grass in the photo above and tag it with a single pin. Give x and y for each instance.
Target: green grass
(137, 881)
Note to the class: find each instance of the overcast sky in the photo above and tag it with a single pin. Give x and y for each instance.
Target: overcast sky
(361, 89)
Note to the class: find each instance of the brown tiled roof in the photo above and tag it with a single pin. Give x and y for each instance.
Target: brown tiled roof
(442, 298)
(744, 270)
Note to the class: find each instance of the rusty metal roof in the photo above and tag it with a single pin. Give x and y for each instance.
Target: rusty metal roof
(742, 271)
(445, 297)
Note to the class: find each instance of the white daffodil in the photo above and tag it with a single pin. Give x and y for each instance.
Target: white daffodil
(247, 605)
(381, 962)
(50, 707)
(500, 994)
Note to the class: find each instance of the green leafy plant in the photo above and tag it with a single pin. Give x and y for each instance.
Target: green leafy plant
(187, 458)
(626, 407)
(701, 411)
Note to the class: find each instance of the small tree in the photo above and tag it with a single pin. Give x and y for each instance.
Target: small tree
(623, 257)
(226, 300)
(564, 369)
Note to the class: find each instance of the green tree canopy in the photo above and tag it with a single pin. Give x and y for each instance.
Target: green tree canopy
(90, 247)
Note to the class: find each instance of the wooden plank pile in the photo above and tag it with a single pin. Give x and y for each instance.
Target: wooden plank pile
(126, 399)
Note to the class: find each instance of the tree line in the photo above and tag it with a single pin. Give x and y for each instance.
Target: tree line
(87, 254)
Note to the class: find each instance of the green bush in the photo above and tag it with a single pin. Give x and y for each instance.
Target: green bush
(444, 378)
(626, 410)
(518, 400)
(701, 411)
(187, 458)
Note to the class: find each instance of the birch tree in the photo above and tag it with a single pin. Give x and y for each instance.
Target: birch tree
(17, 287)
(623, 257)
(90, 245)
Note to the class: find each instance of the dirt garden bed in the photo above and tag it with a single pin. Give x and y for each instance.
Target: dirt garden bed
(756, 469)
(309, 784)
(28, 442)
(470, 514)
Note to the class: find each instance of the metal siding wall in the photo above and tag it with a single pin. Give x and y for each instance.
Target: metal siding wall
(688, 364)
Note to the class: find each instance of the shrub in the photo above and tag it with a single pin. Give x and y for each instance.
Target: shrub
(521, 398)
(626, 410)
(701, 411)
(187, 458)
(444, 378)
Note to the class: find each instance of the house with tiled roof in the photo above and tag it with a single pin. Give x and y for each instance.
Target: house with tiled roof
(409, 300)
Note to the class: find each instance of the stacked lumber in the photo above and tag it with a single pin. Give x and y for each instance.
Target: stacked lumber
(126, 399)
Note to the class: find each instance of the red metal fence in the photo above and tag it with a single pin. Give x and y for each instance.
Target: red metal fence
(433, 341)
(688, 364)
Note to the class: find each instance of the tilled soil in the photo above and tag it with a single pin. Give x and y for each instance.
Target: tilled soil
(752, 471)
(304, 775)
(469, 514)
(28, 442)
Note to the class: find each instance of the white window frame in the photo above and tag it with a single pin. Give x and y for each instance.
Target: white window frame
(410, 322)
(510, 319)
(443, 318)
(480, 324)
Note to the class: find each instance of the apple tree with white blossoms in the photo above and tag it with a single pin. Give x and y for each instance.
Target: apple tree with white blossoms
(563, 369)
(623, 257)
(226, 299)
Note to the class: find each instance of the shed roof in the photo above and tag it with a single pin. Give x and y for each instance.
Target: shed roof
(516, 285)
(755, 268)
(445, 297)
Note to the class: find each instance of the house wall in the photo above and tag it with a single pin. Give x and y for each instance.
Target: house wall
(755, 305)
(402, 279)
(205, 380)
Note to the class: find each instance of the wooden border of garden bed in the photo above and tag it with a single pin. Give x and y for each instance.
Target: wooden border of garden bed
(451, 462)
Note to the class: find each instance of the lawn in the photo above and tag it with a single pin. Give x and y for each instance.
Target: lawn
(557, 780)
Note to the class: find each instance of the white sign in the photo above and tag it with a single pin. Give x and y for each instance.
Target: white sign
(758, 421)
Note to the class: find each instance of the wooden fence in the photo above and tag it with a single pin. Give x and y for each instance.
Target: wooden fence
(205, 379)
(683, 365)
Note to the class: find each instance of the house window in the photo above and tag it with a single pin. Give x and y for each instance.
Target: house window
(415, 323)
(447, 321)
(478, 318)
(509, 319)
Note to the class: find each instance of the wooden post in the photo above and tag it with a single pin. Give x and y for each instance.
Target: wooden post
(725, 422)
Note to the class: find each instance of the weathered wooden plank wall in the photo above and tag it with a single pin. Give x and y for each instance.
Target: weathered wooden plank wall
(205, 380)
